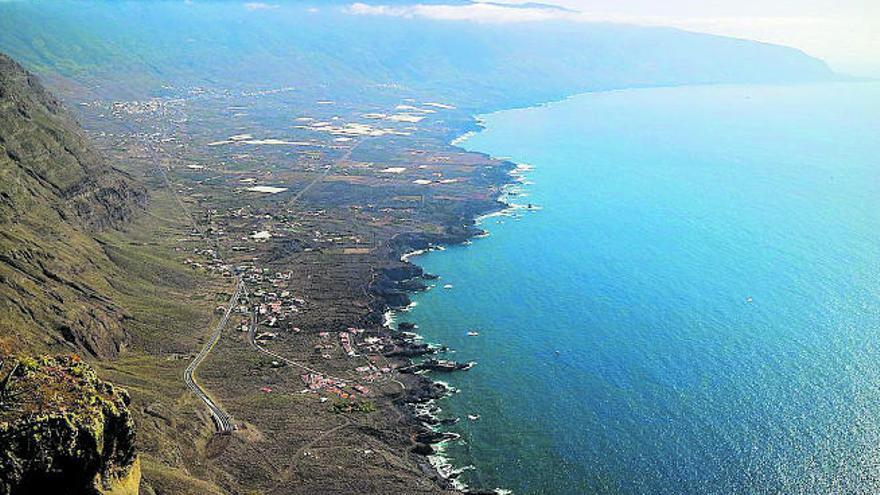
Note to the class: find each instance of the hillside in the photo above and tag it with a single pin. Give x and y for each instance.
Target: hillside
(223, 99)
(56, 193)
(84, 269)
(135, 49)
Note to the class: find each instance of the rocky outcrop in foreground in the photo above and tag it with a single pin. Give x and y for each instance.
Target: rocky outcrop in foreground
(63, 430)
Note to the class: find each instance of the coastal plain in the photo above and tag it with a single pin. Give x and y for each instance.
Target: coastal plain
(312, 205)
(227, 238)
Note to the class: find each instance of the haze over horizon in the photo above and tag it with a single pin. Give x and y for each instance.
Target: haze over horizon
(846, 33)
(439, 247)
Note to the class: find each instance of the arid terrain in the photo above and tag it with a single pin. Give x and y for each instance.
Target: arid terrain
(309, 207)
(210, 205)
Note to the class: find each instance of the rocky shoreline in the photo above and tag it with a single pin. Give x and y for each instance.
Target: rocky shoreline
(391, 293)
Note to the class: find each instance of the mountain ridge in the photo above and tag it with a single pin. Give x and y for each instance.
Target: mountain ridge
(56, 193)
(328, 51)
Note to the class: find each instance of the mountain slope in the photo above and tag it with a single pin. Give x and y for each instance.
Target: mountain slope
(55, 194)
(332, 52)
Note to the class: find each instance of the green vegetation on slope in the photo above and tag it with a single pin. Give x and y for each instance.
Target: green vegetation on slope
(133, 48)
(56, 194)
(87, 265)
(65, 430)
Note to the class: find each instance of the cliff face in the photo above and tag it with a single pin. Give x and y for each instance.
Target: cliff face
(56, 194)
(63, 430)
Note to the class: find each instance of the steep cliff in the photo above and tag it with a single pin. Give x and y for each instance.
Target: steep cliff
(56, 193)
(63, 430)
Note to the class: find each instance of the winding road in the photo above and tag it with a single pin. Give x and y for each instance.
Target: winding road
(221, 418)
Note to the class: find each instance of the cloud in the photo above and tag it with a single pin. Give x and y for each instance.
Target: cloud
(260, 6)
(849, 44)
(506, 11)
(510, 11)
(475, 12)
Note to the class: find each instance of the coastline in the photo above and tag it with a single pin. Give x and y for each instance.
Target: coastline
(721, 299)
(397, 275)
(419, 405)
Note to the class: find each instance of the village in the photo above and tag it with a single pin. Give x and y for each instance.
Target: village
(312, 213)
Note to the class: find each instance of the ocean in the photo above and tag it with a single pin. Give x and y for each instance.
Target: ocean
(692, 304)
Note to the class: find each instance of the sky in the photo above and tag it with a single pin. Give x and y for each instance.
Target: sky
(844, 33)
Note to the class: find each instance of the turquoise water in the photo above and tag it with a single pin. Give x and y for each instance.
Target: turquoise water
(706, 262)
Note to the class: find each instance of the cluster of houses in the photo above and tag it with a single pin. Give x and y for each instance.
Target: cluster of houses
(325, 346)
(274, 306)
(345, 342)
(211, 260)
(315, 382)
(375, 370)
(136, 107)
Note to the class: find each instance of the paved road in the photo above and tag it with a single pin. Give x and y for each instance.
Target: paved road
(221, 418)
(252, 338)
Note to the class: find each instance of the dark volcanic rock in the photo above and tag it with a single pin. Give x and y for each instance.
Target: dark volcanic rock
(412, 285)
(65, 431)
(393, 298)
(441, 365)
(425, 391)
(409, 349)
(431, 437)
(404, 271)
(395, 282)
(423, 449)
